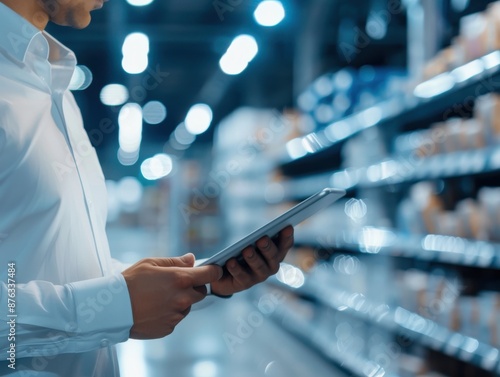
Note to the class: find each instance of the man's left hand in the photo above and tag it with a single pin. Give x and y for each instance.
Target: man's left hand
(261, 262)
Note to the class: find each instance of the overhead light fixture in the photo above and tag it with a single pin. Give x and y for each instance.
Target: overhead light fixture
(130, 127)
(157, 167)
(269, 13)
(242, 51)
(127, 158)
(183, 136)
(154, 112)
(198, 119)
(135, 64)
(135, 52)
(135, 44)
(139, 3)
(114, 95)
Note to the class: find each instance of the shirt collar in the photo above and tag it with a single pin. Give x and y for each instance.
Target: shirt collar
(18, 37)
(17, 33)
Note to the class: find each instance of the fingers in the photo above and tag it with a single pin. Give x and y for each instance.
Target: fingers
(205, 274)
(202, 289)
(287, 232)
(238, 273)
(274, 253)
(257, 263)
(196, 295)
(186, 260)
(264, 263)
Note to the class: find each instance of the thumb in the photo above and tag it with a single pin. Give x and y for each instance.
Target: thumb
(186, 260)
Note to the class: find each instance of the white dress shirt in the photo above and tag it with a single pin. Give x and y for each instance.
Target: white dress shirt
(71, 305)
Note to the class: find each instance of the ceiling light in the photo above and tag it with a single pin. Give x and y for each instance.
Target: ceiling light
(198, 119)
(114, 95)
(135, 44)
(244, 47)
(154, 112)
(182, 136)
(135, 51)
(130, 127)
(139, 3)
(232, 66)
(135, 64)
(241, 52)
(269, 13)
(157, 167)
(126, 158)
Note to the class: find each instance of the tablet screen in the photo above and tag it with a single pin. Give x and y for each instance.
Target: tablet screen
(293, 216)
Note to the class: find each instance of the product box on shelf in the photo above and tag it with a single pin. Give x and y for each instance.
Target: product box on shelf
(423, 213)
(475, 30)
(479, 34)
(489, 201)
(488, 112)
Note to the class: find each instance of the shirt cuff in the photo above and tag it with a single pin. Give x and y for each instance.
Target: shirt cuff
(103, 307)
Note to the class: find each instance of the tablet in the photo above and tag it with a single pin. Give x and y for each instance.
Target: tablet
(293, 216)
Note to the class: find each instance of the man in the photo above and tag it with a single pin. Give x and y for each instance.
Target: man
(63, 301)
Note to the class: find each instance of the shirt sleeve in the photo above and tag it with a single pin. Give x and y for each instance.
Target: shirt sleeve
(118, 266)
(53, 319)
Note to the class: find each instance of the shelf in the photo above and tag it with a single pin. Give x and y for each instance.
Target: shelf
(399, 320)
(313, 336)
(429, 99)
(400, 170)
(433, 248)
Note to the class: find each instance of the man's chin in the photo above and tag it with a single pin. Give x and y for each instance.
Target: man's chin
(74, 22)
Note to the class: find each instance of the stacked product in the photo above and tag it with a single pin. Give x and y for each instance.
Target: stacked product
(479, 35)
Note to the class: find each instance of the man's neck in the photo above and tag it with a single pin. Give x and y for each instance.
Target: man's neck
(31, 10)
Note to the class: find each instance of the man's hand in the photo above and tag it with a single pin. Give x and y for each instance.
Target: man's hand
(261, 263)
(162, 291)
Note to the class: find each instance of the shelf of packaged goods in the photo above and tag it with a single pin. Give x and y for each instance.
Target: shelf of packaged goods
(400, 170)
(430, 98)
(414, 327)
(313, 335)
(433, 248)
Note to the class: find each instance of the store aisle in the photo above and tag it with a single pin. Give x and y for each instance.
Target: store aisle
(213, 342)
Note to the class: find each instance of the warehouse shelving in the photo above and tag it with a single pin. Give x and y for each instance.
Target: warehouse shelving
(319, 168)
(398, 320)
(399, 170)
(312, 335)
(430, 98)
(432, 247)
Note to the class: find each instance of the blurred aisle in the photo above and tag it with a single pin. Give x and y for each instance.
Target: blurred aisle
(207, 344)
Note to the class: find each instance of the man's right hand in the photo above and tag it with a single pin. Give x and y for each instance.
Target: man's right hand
(162, 291)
